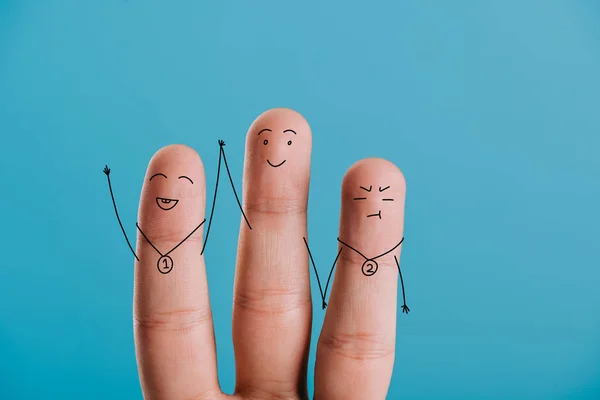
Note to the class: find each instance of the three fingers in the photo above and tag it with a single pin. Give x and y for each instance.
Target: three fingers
(272, 314)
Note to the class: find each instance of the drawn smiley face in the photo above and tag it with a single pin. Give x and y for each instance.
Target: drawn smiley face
(265, 142)
(165, 203)
(365, 197)
(279, 141)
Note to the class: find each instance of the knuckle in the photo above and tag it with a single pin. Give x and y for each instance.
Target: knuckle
(171, 236)
(271, 301)
(276, 205)
(360, 346)
(180, 320)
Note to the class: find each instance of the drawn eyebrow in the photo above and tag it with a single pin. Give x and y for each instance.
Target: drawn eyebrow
(360, 198)
(157, 175)
(265, 130)
(290, 130)
(183, 176)
(385, 188)
(387, 199)
(369, 189)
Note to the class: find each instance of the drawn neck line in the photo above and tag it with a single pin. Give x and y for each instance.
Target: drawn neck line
(374, 258)
(179, 244)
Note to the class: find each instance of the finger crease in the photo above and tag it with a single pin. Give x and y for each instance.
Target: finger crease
(272, 301)
(175, 320)
(357, 346)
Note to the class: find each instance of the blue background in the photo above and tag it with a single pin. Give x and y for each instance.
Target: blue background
(491, 109)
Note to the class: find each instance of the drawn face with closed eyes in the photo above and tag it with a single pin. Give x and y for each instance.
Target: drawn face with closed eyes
(166, 203)
(374, 199)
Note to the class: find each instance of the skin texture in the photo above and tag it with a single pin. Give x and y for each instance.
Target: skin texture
(272, 314)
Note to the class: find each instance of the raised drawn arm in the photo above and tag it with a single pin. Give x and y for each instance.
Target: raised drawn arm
(107, 173)
(212, 211)
(222, 144)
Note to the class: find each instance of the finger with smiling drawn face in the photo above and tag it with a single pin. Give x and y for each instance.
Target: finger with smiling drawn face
(173, 328)
(272, 300)
(355, 353)
(163, 202)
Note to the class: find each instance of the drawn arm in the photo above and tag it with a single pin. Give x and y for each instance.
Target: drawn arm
(405, 308)
(107, 172)
(323, 292)
(212, 211)
(222, 144)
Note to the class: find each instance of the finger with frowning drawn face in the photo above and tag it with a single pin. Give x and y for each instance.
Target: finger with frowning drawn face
(174, 336)
(272, 300)
(355, 354)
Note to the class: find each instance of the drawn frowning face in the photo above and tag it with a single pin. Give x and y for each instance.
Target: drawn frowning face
(374, 199)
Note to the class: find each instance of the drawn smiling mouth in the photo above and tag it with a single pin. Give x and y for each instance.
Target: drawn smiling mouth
(275, 166)
(166, 204)
(375, 215)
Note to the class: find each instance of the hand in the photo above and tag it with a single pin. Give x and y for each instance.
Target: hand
(106, 170)
(221, 143)
(272, 304)
(405, 309)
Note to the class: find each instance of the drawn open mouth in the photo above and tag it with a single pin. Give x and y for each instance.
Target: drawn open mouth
(166, 204)
(275, 166)
(375, 215)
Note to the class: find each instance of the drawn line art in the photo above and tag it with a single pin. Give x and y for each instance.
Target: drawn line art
(222, 144)
(405, 308)
(166, 204)
(164, 258)
(212, 211)
(266, 142)
(224, 158)
(323, 293)
(369, 268)
(278, 165)
(155, 175)
(165, 263)
(107, 172)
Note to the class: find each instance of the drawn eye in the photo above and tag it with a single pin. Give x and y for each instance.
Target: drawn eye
(289, 142)
(265, 142)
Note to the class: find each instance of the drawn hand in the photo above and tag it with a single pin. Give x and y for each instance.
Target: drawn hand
(405, 309)
(221, 143)
(273, 301)
(106, 170)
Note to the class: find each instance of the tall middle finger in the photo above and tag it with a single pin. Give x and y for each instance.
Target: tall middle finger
(272, 299)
